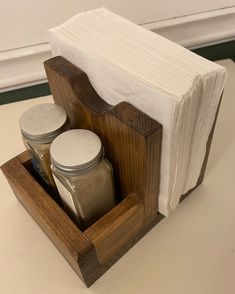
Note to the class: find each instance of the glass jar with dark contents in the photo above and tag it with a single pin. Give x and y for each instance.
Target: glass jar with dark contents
(40, 125)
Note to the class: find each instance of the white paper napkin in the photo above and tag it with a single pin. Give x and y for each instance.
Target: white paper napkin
(174, 86)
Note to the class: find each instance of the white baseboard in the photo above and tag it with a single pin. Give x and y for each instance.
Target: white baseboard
(198, 30)
(24, 66)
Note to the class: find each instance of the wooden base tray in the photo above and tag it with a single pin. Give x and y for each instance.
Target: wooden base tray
(132, 142)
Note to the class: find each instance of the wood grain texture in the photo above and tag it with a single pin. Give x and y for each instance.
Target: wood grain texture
(116, 228)
(132, 142)
(131, 139)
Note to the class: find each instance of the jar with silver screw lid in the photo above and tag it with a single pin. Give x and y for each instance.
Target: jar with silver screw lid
(40, 125)
(84, 177)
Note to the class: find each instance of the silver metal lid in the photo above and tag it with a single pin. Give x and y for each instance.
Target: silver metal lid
(76, 151)
(43, 122)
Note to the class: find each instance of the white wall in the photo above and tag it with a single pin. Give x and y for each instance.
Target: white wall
(23, 25)
(25, 22)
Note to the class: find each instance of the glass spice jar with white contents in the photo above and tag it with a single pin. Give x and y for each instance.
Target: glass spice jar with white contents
(84, 177)
(40, 125)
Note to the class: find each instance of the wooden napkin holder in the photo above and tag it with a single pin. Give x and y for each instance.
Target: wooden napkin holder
(132, 142)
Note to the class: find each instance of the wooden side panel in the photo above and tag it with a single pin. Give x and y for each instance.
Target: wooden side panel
(117, 228)
(132, 140)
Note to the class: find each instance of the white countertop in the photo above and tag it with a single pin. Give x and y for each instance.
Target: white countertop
(192, 251)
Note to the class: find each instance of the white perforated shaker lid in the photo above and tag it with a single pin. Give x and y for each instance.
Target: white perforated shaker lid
(76, 150)
(43, 122)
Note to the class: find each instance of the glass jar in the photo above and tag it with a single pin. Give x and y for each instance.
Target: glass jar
(83, 176)
(40, 125)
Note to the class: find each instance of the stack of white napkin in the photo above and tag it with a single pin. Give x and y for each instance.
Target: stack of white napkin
(174, 86)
